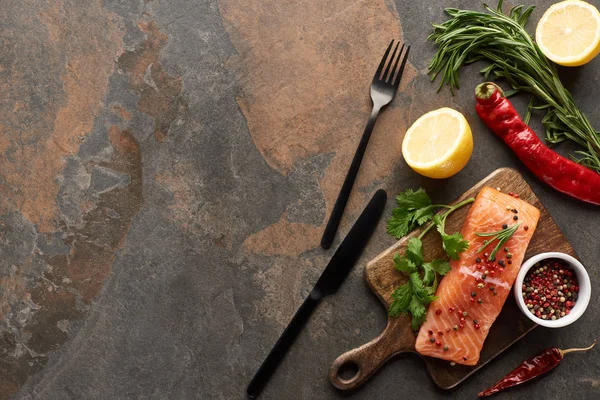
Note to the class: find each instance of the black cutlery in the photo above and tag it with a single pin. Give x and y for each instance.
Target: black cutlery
(383, 91)
(332, 277)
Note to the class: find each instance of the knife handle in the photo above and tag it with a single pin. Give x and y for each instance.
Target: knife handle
(284, 342)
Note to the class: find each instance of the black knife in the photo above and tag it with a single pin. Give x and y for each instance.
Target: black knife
(336, 271)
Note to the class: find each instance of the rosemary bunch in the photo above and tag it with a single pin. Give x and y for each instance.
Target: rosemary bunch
(501, 39)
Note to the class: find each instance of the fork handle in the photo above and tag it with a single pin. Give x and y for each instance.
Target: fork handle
(342, 199)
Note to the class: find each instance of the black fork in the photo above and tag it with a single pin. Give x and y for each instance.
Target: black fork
(383, 90)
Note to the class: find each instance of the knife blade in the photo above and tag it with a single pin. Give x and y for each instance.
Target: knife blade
(330, 281)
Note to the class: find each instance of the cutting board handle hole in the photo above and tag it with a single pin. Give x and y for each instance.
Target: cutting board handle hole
(348, 371)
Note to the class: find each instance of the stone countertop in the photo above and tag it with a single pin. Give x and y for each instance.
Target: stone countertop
(167, 168)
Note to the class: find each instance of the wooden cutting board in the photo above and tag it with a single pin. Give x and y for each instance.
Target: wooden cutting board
(398, 337)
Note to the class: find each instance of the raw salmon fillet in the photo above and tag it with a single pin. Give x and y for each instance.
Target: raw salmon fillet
(487, 214)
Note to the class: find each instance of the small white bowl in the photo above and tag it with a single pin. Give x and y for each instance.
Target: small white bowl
(583, 298)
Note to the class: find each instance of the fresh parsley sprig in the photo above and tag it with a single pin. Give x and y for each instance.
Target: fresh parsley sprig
(418, 291)
(453, 244)
(415, 209)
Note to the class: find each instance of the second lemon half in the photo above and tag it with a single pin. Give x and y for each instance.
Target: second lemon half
(439, 144)
(569, 33)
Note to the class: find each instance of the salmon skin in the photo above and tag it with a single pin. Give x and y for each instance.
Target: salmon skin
(468, 291)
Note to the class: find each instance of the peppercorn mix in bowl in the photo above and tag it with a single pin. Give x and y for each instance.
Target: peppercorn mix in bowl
(552, 289)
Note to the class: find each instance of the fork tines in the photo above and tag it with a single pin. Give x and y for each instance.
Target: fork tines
(392, 75)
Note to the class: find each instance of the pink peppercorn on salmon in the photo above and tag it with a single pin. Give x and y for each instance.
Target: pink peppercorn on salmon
(472, 294)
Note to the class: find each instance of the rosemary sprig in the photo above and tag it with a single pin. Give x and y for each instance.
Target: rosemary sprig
(501, 236)
(501, 39)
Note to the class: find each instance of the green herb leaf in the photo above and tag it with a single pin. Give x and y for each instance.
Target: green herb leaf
(429, 297)
(431, 289)
(439, 222)
(454, 245)
(416, 323)
(419, 289)
(399, 224)
(403, 264)
(401, 300)
(414, 251)
(440, 266)
(414, 209)
(417, 309)
(423, 215)
(417, 284)
(411, 200)
(428, 274)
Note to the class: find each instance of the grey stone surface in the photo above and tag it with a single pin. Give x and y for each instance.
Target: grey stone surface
(215, 260)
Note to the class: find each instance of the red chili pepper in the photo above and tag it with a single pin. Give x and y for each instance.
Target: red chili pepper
(557, 171)
(531, 368)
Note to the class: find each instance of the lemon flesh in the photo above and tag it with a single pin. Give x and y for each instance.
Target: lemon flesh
(569, 33)
(439, 144)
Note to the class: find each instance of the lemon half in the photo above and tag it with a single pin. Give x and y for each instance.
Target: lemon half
(569, 33)
(439, 144)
